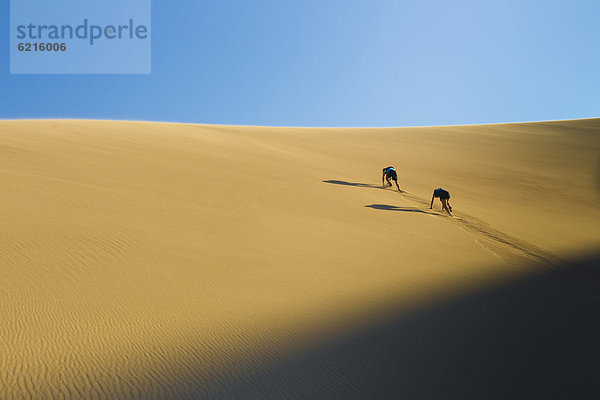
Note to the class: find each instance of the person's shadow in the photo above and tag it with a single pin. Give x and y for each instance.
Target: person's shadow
(355, 184)
(387, 207)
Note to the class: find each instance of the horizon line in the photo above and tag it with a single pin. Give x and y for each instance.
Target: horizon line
(299, 127)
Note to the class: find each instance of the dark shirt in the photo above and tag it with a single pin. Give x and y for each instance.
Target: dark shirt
(439, 192)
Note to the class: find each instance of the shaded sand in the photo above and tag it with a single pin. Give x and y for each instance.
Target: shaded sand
(151, 260)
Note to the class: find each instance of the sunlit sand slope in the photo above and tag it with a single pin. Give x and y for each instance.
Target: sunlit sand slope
(145, 260)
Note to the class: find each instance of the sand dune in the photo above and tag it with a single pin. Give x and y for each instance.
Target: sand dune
(155, 260)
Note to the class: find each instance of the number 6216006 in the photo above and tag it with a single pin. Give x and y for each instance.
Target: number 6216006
(42, 47)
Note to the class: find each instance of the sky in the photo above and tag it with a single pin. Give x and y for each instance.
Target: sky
(339, 63)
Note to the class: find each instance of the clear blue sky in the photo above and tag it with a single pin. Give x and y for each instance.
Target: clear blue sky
(339, 63)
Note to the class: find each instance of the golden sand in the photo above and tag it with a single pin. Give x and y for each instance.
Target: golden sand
(139, 260)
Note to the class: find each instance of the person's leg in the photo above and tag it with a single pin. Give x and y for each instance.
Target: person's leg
(444, 205)
(387, 178)
(396, 182)
(447, 206)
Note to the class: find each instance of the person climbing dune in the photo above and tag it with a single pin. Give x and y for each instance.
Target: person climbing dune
(444, 197)
(390, 173)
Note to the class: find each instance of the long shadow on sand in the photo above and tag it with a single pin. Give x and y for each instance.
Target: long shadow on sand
(344, 183)
(387, 207)
(531, 338)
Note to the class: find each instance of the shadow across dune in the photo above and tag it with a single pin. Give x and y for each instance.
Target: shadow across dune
(387, 207)
(535, 337)
(530, 337)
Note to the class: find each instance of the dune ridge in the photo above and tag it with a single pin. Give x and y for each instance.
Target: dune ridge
(156, 260)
